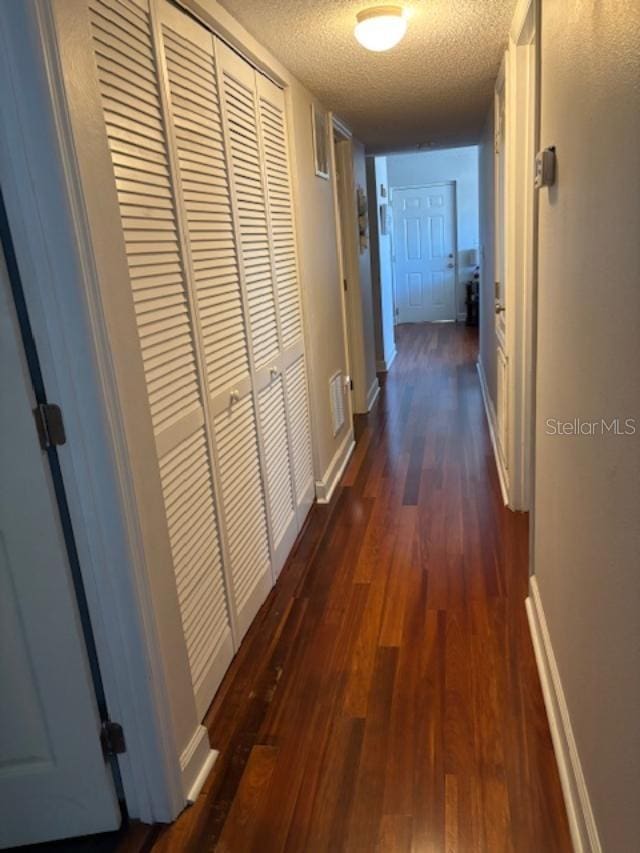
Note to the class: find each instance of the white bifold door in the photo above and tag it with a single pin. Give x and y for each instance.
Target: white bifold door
(198, 146)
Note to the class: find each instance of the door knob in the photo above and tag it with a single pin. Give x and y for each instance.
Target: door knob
(499, 309)
(234, 396)
(274, 372)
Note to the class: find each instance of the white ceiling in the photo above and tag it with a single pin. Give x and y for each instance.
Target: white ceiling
(434, 88)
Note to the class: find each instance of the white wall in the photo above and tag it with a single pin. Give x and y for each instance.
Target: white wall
(381, 269)
(486, 192)
(450, 164)
(587, 489)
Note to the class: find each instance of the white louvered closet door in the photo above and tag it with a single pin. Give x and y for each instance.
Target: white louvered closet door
(248, 182)
(189, 67)
(132, 106)
(276, 166)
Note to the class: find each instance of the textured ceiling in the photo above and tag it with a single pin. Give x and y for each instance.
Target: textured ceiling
(434, 88)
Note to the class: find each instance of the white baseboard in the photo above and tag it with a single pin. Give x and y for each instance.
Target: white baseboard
(384, 365)
(584, 832)
(493, 432)
(372, 394)
(196, 762)
(326, 486)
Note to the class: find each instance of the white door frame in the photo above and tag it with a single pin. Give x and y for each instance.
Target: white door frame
(344, 193)
(522, 81)
(454, 185)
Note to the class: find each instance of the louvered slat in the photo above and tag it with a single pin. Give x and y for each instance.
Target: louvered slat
(273, 422)
(198, 132)
(299, 426)
(246, 528)
(244, 153)
(132, 110)
(135, 125)
(193, 533)
(274, 143)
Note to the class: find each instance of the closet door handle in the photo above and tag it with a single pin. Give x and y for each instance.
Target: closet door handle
(274, 372)
(234, 396)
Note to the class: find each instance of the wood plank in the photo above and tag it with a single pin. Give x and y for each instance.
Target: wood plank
(386, 697)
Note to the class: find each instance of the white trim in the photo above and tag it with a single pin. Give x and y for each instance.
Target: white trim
(196, 762)
(342, 265)
(393, 357)
(341, 127)
(349, 258)
(384, 365)
(521, 69)
(326, 486)
(584, 832)
(493, 432)
(372, 393)
(524, 17)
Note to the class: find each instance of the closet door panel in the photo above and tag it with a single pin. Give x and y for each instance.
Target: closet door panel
(300, 434)
(194, 118)
(131, 100)
(273, 135)
(197, 128)
(245, 513)
(241, 130)
(273, 132)
(188, 496)
(282, 509)
(248, 179)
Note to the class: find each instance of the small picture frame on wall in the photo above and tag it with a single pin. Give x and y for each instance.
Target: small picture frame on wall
(320, 145)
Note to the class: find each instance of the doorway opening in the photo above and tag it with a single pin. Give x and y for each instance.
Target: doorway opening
(425, 238)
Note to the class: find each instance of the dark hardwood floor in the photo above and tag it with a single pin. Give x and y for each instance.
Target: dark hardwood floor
(386, 698)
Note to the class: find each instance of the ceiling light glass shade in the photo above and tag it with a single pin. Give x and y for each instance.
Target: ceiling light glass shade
(380, 28)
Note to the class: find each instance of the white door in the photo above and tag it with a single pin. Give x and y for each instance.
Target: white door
(502, 359)
(425, 253)
(54, 782)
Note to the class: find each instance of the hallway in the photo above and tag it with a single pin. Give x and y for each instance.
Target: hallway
(386, 697)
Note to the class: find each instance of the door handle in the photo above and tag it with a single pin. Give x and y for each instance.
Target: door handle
(450, 266)
(499, 309)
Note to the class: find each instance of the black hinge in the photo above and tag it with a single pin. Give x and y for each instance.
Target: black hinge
(112, 738)
(351, 384)
(50, 425)
(344, 283)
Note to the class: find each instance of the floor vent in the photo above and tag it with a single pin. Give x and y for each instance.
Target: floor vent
(336, 395)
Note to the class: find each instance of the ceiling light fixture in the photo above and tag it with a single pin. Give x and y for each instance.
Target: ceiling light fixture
(381, 27)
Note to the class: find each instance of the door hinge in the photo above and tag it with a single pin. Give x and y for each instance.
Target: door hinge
(112, 738)
(50, 425)
(351, 384)
(344, 283)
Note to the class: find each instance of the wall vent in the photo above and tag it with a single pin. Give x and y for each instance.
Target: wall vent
(336, 396)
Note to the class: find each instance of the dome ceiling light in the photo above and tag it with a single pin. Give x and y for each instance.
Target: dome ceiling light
(381, 27)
